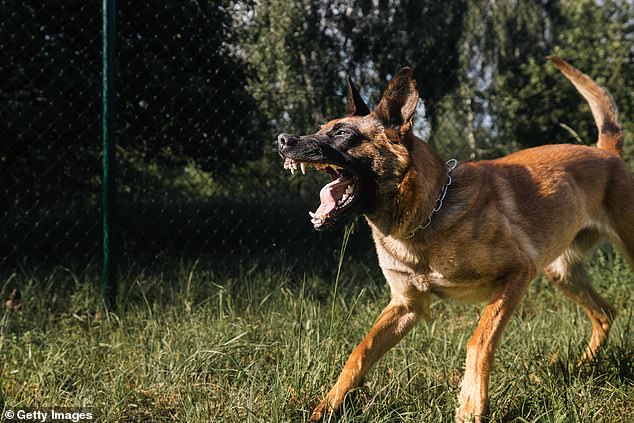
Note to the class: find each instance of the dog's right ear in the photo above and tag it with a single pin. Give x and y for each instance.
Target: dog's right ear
(399, 101)
(356, 105)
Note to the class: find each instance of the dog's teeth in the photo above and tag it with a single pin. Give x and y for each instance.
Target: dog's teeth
(292, 170)
(302, 165)
(349, 189)
(316, 219)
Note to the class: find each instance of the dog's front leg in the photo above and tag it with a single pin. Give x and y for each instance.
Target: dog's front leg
(473, 396)
(393, 323)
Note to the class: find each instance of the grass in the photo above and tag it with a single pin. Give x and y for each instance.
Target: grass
(263, 343)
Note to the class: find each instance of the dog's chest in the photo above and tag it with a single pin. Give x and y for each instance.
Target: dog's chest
(409, 272)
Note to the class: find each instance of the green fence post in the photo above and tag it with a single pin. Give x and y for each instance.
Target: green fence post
(109, 282)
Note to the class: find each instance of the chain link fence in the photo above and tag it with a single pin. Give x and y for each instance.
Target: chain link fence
(196, 171)
(49, 150)
(202, 90)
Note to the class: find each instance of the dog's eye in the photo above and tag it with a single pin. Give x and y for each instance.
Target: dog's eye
(342, 133)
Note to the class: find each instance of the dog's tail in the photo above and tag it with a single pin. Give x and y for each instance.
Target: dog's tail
(604, 111)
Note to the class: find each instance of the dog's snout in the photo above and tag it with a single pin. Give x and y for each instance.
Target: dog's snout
(286, 140)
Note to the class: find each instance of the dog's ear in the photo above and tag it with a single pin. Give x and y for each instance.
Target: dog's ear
(356, 105)
(399, 101)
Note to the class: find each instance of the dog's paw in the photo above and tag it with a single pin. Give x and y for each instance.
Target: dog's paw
(464, 416)
(321, 413)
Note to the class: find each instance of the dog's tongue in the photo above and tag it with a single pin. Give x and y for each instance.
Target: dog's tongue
(329, 195)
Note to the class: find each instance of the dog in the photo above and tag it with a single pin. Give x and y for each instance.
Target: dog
(475, 231)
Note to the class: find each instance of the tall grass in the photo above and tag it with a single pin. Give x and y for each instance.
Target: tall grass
(265, 342)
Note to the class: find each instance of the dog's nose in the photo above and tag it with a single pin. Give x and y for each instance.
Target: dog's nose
(286, 140)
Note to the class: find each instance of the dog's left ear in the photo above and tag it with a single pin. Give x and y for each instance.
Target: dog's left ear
(399, 101)
(356, 105)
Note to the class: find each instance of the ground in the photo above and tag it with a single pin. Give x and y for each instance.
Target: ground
(265, 342)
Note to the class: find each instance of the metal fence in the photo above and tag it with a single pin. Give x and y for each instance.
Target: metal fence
(184, 185)
(50, 66)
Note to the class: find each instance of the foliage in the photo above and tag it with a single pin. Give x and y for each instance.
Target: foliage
(183, 88)
(210, 84)
(386, 35)
(481, 66)
(49, 76)
(296, 57)
(516, 98)
(303, 49)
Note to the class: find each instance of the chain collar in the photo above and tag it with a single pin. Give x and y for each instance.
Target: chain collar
(451, 164)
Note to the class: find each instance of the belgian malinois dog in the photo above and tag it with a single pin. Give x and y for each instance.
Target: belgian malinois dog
(477, 232)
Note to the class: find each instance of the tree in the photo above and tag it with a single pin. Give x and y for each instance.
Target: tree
(295, 52)
(182, 92)
(302, 51)
(518, 98)
(49, 84)
(183, 88)
(381, 37)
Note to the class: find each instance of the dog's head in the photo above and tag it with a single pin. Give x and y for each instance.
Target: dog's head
(366, 153)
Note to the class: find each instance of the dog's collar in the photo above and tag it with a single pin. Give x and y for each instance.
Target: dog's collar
(451, 164)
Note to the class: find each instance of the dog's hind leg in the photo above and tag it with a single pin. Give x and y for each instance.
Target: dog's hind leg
(393, 323)
(569, 275)
(620, 203)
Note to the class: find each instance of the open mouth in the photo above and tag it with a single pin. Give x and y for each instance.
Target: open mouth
(335, 197)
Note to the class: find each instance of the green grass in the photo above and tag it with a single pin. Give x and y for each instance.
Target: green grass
(264, 344)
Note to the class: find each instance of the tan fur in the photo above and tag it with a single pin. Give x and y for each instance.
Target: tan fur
(502, 222)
